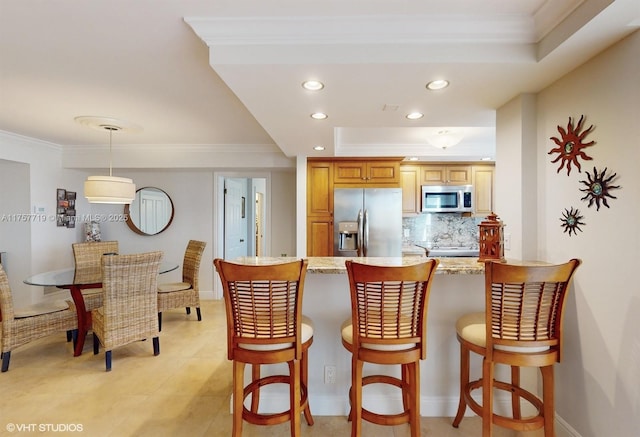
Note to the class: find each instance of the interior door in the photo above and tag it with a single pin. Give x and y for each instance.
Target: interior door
(154, 211)
(235, 222)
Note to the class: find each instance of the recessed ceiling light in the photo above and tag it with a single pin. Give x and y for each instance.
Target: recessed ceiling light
(437, 84)
(319, 148)
(312, 85)
(415, 115)
(319, 115)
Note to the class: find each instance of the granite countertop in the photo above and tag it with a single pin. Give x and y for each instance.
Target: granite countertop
(333, 265)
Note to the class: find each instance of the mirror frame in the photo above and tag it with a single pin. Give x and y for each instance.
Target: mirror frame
(134, 227)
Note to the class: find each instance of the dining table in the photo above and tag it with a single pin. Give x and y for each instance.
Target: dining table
(75, 280)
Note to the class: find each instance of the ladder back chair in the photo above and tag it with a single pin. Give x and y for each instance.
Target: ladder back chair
(265, 326)
(521, 327)
(388, 325)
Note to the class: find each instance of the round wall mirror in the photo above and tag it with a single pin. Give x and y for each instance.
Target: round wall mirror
(150, 213)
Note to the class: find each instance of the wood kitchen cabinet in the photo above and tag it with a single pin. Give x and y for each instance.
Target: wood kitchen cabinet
(360, 173)
(319, 208)
(411, 192)
(446, 175)
(483, 189)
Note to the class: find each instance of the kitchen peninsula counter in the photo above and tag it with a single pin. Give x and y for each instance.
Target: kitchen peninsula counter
(457, 289)
(335, 265)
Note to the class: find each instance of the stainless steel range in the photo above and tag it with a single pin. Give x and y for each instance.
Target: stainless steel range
(450, 251)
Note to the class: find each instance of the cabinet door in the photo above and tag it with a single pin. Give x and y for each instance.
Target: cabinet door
(378, 173)
(434, 175)
(350, 172)
(459, 175)
(446, 175)
(319, 236)
(319, 188)
(383, 172)
(409, 180)
(483, 186)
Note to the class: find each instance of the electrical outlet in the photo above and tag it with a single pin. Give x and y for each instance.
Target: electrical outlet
(329, 374)
(507, 241)
(407, 233)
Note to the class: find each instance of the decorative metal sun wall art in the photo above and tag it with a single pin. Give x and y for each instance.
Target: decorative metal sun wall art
(570, 145)
(571, 221)
(597, 188)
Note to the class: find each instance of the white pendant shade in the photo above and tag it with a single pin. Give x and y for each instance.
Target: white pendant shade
(109, 189)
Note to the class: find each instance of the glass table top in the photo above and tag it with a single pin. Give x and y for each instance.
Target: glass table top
(71, 276)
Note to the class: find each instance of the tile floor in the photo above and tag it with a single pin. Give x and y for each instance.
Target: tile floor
(183, 391)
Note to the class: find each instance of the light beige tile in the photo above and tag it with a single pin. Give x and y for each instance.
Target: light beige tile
(183, 391)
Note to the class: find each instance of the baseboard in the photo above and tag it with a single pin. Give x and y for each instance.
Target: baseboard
(563, 429)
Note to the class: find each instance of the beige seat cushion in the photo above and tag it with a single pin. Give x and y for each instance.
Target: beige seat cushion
(347, 336)
(307, 333)
(173, 286)
(472, 328)
(40, 308)
(91, 291)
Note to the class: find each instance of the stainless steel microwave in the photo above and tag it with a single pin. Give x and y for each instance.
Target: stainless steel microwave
(447, 198)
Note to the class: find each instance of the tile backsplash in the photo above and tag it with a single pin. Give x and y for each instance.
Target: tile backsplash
(441, 229)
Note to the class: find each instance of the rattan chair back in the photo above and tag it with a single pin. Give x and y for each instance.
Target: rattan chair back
(130, 309)
(525, 305)
(389, 303)
(263, 303)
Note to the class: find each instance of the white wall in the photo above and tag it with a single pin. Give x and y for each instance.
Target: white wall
(191, 191)
(598, 380)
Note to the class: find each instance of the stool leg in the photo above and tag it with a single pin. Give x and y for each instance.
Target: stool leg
(356, 391)
(515, 399)
(464, 382)
(548, 409)
(238, 397)
(406, 399)
(414, 387)
(487, 397)
(294, 397)
(255, 396)
(304, 376)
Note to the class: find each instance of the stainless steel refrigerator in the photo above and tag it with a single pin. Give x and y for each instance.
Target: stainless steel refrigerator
(367, 222)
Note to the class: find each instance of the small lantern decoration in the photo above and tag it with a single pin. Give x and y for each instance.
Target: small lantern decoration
(491, 239)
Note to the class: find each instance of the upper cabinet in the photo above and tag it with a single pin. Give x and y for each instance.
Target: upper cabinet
(446, 175)
(410, 182)
(378, 173)
(483, 189)
(319, 188)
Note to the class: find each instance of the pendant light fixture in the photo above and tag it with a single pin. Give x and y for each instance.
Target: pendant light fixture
(108, 189)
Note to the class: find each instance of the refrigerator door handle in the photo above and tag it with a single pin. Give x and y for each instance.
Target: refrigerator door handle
(365, 233)
(360, 233)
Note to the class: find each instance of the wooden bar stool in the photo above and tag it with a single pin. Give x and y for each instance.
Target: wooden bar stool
(521, 327)
(388, 326)
(265, 326)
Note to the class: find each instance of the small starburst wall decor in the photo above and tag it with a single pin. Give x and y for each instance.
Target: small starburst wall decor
(571, 221)
(570, 145)
(598, 187)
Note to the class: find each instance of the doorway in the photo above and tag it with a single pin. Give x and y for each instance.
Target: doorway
(241, 222)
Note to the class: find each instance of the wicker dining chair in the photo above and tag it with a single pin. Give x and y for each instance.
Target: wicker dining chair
(185, 294)
(23, 325)
(265, 326)
(130, 302)
(521, 327)
(388, 326)
(87, 257)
